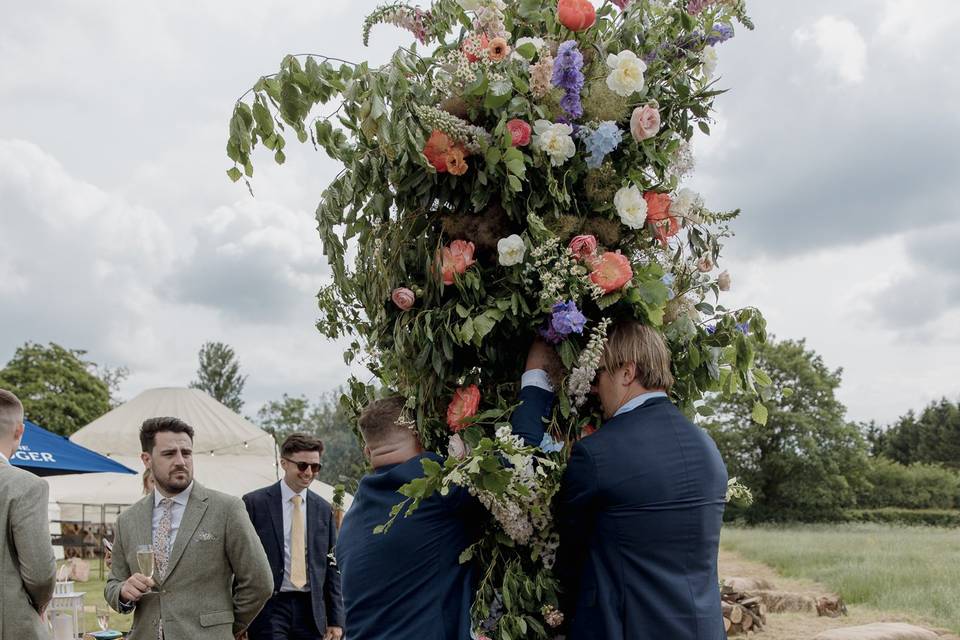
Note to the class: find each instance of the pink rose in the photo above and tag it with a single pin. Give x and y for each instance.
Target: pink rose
(457, 448)
(519, 132)
(645, 122)
(583, 246)
(723, 281)
(705, 264)
(456, 258)
(403, 298)
(465, 402)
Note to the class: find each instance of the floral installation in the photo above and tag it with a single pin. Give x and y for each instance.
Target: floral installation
(517, 171)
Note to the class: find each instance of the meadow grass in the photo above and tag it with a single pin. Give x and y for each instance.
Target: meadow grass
(885, 567)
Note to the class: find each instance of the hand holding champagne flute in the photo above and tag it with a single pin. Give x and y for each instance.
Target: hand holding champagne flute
(140, 584)
(145, 559)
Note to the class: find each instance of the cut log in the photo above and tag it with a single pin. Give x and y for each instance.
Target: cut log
(747, 621)
(736, 614)
(831, 606)
(727, 624)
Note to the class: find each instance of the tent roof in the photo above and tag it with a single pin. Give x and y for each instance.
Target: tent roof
(216, 427)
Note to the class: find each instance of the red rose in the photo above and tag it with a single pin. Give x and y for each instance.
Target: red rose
(436, 149)
(519, 132)
(658, 214)
(583, 246)
(576, 15)
(464, 404)
(456, 258)
(611, 271)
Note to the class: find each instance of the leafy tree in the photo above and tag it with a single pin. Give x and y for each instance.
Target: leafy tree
(219, 374)
(326, 419)
(806, 463)
(60, 390)
(933, 437)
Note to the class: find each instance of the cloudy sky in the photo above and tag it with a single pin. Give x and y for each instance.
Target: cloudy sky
(120, 234)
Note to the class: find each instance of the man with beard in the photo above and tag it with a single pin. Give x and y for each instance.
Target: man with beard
(210, 575)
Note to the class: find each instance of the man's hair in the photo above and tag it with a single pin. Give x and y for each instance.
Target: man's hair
(643, 346)
(380, 418)
(11, 412)
(152, 426)
(297, 442)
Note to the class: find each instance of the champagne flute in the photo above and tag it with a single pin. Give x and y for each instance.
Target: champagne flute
(103, 618)
(146, 560)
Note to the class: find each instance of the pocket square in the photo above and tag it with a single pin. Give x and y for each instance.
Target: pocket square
(204, 536)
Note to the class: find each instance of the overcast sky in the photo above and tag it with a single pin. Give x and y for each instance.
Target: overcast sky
(119, 233)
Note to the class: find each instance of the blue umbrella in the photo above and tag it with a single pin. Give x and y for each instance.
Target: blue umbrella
(47, 454)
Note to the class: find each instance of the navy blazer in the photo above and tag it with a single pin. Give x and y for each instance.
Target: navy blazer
(639, 516)
(266, 512)
(407, 583)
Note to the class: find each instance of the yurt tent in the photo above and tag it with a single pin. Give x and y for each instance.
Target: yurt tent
(231, 454)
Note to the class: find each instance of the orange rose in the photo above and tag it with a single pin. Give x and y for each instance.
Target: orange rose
(658, 214)
(456, 258)
(456, 161)
(576, 15)
(611, 271)
(436, 149)
(464, 404)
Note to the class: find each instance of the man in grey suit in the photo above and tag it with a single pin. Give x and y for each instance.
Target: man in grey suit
(27, 565)
(211, 576)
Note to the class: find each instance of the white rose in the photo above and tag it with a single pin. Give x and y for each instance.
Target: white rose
(626, 73)
(631, 207)
(511, 250)
(708, 63)
(457, 448)
(554, 140)
(686, 204)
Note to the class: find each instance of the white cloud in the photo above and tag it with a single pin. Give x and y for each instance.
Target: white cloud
(841, 48)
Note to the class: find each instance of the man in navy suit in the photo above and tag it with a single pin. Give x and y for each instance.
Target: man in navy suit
(641, 502)
(298, 533)
(406, 583)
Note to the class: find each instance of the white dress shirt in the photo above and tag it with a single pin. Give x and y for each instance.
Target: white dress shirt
(176, 512)
(286, 495)
(539, 378)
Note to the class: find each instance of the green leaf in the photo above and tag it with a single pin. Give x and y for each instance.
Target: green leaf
(609, 299)
(234, 174)
(760, 413)
(527, 50)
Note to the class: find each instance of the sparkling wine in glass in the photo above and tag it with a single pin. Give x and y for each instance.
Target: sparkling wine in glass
(145, 559)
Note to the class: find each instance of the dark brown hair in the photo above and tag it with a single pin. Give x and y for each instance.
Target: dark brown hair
(152, 426)
(297, 442)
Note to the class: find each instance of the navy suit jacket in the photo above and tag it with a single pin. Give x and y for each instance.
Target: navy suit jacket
(407, 583)
(265, 509)
(639, 516)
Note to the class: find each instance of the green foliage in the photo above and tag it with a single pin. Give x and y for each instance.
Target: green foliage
(906, 517)
(805, 463)
(219, 375)
(917, 486)
(59, 389)
(327, 419)
(931, 437)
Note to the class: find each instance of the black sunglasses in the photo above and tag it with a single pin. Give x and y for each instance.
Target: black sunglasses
(303, 466)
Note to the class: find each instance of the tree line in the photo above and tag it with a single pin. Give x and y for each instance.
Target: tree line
(807, 463)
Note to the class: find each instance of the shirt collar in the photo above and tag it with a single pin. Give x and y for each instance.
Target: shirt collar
(287, 493)
(633, 403)
(180, 498)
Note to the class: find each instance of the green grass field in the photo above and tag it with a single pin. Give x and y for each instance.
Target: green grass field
(889, 568)
(94, 598)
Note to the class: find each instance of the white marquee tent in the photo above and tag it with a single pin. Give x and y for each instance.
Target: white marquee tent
(231, 454)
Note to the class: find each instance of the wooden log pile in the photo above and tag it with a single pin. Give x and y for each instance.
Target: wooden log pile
(742, 614)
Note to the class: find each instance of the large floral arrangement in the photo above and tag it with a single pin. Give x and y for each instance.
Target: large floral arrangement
(522, 177)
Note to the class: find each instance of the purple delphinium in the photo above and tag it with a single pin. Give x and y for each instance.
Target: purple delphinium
(711, 329)
(564, 320)
(719, 33)
(568, 75)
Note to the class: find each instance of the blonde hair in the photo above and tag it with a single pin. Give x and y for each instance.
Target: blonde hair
(643, 346)
(11, 412)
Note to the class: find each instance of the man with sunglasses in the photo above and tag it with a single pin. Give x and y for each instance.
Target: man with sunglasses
(298, 533)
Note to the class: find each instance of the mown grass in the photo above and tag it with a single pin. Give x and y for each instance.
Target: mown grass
(889, 568)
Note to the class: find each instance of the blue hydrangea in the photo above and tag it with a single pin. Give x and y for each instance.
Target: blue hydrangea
(602, 141)
(564, 320)
(549, 445)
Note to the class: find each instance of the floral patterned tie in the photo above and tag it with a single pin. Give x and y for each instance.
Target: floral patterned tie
(161, 547)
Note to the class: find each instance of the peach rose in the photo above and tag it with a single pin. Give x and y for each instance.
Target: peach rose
(658, 214)
(611, 271)
(498, 50)
(465, 402)
(705, 264)
(583, 246)
(519, 132)
(576, 15)
(403, 298)
(723, 281)
(456, 161)
(456, 258)
(645, 122)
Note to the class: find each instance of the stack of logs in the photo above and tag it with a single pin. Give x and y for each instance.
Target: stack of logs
(742, 614)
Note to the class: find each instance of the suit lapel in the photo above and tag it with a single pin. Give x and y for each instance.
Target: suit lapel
(196, 507)
(316, 531)
(275, 505)
(143, 520)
